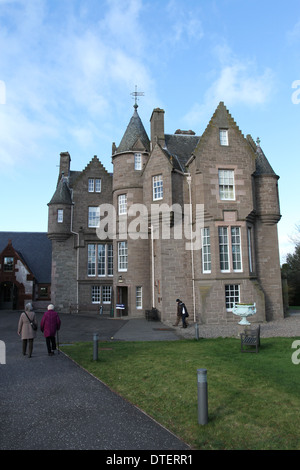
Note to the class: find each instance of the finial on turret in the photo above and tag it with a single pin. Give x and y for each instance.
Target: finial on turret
(258, 141)
(135, 95)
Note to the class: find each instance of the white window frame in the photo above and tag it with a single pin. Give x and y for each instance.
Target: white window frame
(249, 236)
(157, 187)
(96, 294)
(236, 249)
(226, 185)
(91, 185)
(137, 161)
(110, 259)
(94, 217)
(98, 185)
(106, 294)
(224, 137)
(95, 262)
(122, 204)
(232, 295)
(139, 297)
(122, 256)
(224, 249)
(101, 260)
(206, 252)
(60, 216)
(94, 185)
(91, 264)
(230, 249)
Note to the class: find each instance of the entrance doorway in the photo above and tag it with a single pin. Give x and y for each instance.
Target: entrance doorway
(8, 296)
(122, 301)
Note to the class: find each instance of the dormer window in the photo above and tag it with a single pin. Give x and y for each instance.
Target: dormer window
(224, 137)
(8, 264)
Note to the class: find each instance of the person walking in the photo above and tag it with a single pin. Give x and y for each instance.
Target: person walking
(182, 313)
(27, 327)
(178, 314)
(49, 325)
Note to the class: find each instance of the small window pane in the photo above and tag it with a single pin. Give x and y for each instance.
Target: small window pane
(223, 136)
(8, 265)
(98, 185)
(91, 185)
(232, 295)
(157, 187)
(96, 294)
(60, 216)
(139, 303)
(137, 161)
(94, 216)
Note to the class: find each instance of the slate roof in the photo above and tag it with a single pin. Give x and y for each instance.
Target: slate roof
(35, 250)
(263, 166)
(62, 194)
(180, 147)
(135, 131)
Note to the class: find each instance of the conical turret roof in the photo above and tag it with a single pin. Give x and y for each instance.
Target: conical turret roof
(134, 133)
(62, 194)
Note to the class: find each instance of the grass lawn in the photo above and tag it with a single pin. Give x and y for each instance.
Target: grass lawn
(253, 399)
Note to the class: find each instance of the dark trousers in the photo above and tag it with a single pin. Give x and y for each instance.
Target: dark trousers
(51, 343)
(30, 347)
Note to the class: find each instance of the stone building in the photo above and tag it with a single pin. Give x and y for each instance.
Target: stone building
(25, 270)
(182, 216)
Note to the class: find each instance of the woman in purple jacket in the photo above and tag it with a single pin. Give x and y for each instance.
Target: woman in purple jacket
(49, 325)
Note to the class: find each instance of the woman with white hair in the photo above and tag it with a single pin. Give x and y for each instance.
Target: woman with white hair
(49, 325)
(27, 329)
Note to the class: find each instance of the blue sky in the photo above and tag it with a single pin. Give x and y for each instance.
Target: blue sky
(67, 68)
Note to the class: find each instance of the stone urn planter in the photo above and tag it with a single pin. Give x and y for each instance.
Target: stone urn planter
(244, 311)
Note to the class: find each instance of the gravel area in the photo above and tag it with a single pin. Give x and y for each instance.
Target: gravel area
(287, 327)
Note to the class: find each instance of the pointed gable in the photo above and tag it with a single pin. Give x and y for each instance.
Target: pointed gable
(135, 137)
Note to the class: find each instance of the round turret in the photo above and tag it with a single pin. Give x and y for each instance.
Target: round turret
(60, 212)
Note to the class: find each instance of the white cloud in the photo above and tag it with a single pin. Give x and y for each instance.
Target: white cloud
(62, 68)
(238, 82)
(293, 35)
(185, 23)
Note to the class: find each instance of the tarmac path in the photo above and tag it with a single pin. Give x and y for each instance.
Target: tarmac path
(50, 403)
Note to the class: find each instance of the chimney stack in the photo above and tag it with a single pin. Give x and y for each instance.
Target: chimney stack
(157, 127)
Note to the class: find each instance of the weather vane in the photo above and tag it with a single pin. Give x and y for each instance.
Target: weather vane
(135, 95)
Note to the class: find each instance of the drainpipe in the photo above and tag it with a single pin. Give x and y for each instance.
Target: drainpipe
(77, 257)
(189, 181)
(152, 265)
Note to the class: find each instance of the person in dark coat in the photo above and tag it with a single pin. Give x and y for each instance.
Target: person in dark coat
(50, 324)
(25, 330)
(182, 313)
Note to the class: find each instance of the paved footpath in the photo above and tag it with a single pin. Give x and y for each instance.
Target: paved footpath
(50, 403)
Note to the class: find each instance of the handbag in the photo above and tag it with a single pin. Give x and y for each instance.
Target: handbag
(34, 326)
